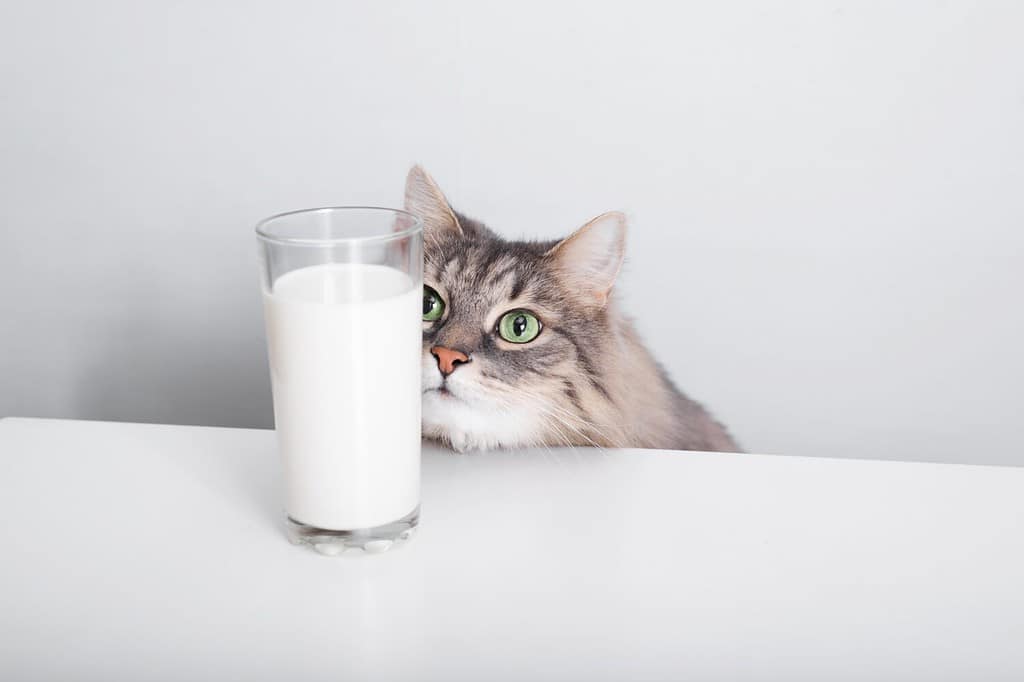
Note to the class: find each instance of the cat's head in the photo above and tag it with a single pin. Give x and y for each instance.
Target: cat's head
(514, 332)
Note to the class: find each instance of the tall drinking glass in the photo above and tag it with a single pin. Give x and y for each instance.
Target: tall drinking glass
(342, 299)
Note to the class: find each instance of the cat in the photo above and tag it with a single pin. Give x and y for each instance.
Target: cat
(524, 345)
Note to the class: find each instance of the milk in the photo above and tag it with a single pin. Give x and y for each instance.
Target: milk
(344, 344)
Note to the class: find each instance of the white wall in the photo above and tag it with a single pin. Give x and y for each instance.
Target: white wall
(827, 200)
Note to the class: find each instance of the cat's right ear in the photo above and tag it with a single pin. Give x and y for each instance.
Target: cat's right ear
(590, 258)
(424, 198)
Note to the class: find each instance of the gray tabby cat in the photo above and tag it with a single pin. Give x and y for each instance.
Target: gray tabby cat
(524, 345)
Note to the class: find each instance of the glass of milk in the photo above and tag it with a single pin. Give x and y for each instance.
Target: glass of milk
(342, 299)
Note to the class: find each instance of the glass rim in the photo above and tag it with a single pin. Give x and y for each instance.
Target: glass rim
(266, 235)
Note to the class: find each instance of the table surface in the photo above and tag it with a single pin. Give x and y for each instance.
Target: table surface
(151, 552)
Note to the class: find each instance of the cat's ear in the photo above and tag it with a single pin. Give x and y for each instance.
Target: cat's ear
(591, 256)
(424, 198)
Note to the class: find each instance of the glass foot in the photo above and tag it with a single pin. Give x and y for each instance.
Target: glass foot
(372, 540)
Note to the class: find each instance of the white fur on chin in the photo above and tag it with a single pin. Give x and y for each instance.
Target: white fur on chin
(467, 419)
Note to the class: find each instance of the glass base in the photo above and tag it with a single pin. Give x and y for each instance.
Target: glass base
(373, 540)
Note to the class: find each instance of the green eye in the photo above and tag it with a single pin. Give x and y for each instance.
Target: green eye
(433, 306)
(518, 326)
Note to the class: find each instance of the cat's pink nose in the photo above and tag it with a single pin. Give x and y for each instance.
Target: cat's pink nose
(448, 358)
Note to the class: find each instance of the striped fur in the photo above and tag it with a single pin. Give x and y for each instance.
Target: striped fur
(587, 379)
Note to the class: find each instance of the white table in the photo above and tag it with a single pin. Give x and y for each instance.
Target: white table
(142, 552)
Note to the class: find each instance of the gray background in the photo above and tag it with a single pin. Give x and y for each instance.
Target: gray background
(826, 199)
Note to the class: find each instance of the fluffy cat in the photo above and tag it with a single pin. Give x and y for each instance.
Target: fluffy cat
(524, 345)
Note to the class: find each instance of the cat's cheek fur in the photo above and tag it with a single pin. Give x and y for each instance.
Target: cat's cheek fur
(472, 421)
(466, 427)
(430, 376)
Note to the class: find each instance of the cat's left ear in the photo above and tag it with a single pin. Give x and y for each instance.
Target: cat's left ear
(590, 258)
(425, 199)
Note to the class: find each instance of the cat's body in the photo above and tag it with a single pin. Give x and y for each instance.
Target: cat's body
(581, 376)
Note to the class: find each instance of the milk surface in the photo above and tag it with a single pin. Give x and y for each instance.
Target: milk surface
(344, 344)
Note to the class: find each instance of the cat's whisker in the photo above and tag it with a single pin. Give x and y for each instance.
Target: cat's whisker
(555, 458)
(555, 419)
(566, 443)
(561, 436)
(544, 405)
(558, 419)
(555, 416)
(555, 411)
(543, 409)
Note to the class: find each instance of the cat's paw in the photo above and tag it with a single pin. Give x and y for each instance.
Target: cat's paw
(465, 442)
(460, 441)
